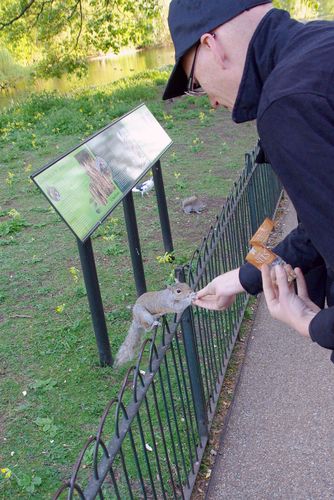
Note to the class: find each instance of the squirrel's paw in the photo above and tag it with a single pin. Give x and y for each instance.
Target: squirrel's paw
(155, 324)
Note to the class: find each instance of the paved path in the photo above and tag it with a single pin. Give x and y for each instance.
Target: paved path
(279, 440)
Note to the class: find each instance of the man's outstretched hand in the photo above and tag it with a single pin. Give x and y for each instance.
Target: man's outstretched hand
(220, 293)
(295, 309)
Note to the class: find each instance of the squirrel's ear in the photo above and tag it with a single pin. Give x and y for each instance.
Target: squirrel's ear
(176, 280)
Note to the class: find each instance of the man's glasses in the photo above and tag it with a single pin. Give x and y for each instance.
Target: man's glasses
(193, 87)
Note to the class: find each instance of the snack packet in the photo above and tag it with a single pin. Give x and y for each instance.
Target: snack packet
(257, 256)
(261, 236)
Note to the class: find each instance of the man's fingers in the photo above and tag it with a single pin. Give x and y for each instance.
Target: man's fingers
(208, 302)
(207, 290)
(272, 274)
(282, 280)
(301, 284)
(268, 287)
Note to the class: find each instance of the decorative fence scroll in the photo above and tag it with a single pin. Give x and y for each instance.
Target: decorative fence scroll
(151, 438)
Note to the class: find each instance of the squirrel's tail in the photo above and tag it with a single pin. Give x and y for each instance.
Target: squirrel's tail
(128, 349)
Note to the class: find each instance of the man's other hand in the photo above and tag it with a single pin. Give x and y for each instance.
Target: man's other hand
(284, 304)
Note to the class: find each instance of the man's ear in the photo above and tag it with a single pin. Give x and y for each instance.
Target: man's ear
(213, 44)
(207, 39)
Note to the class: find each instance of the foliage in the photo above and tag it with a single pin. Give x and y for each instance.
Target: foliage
(300, 9)
(10, 71)
(58, 36)
(13, 224)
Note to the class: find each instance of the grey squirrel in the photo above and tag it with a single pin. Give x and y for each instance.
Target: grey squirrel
(146, 312)
(193, 204)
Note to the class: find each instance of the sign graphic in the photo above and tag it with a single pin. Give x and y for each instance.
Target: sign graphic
(87, 183)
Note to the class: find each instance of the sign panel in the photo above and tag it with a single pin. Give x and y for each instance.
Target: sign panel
(87, 183)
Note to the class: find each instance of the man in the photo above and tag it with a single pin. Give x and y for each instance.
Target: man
(259, 63)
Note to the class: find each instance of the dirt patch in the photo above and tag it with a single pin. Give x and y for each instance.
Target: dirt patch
(193, 227)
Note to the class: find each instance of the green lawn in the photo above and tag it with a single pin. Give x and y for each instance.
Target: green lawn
(52, 389)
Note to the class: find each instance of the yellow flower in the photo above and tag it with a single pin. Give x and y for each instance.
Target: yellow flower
(9, 179)
(13, 213)
(167, 258)
(168, 117)
(201, 116)
(60, 309)
(6, 472)
(74, 273)
(28, 167)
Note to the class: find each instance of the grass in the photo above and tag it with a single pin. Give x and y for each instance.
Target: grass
(53, 391)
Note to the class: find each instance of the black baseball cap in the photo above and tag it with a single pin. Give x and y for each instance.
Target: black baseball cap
(188, 20)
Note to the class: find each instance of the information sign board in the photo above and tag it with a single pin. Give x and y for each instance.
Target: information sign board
(85, 184)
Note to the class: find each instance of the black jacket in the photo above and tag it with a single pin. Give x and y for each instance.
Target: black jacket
(288, 86)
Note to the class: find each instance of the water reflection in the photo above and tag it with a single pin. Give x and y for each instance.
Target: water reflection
(107, 70)
(100, 72)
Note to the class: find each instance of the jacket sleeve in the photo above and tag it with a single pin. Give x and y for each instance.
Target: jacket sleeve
(322, 328)
(296, 249)
(296, 131)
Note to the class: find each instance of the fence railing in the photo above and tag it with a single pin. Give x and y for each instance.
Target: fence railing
(151, 438)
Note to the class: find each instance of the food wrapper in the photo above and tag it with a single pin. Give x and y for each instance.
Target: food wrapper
(261, 236)
(258, 256)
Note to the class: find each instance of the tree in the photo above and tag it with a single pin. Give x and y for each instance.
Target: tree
(300, 9)
(58, 35)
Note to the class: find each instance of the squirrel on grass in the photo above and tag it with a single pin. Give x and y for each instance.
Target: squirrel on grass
(149, 307)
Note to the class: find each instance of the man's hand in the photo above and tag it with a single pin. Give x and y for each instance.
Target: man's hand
(220, 293)
(296, 310)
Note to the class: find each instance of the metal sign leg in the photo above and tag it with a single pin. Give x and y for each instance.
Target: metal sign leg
(162, 207)
(95, 301)
(134, 243)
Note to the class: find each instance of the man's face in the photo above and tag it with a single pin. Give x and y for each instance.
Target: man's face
(212, 71)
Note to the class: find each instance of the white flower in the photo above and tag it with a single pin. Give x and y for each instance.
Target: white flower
(24, 393)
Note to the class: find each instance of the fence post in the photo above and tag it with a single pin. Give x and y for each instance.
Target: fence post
(193, 364)
(162, 207)
(252, 202)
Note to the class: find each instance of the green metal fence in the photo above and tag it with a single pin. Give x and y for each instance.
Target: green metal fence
(151, 438)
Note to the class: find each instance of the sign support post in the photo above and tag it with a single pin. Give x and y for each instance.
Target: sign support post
(134, 243)
(162, 207)
(95, 301)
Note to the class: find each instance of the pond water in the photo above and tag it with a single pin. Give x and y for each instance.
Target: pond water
(100, 71)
